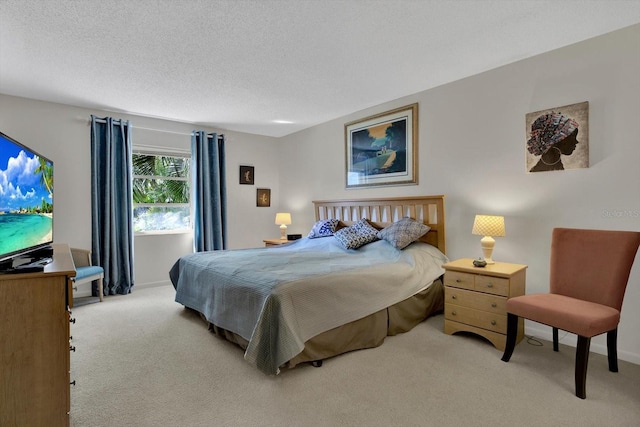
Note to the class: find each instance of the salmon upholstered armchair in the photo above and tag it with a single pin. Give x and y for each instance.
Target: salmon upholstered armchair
(589, 272)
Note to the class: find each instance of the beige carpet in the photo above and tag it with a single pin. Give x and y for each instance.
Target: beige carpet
(143, 360)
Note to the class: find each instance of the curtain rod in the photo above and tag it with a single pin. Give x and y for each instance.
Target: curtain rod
(156, 149)
(118, 121)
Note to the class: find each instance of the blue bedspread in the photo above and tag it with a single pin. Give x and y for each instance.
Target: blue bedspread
(279, 297)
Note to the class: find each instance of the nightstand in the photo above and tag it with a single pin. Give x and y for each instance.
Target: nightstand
(275, 242)
(476, 298)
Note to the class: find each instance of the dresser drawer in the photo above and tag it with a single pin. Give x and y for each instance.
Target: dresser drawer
(476, 300)
(459, 280)
(492, 285)
(479, 318)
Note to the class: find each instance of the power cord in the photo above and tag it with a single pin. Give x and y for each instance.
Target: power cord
(534, 341)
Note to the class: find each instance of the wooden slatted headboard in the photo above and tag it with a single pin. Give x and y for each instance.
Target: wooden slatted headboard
(382, 212)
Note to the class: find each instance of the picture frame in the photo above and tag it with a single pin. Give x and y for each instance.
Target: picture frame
(383, 149)
(263, 197)
(557, 138)
(247, 175)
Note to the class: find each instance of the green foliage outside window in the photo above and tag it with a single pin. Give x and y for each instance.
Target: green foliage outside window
(160, 192)
(152, 183)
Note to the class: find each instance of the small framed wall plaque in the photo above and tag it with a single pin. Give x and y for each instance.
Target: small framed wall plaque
(246, 175)
(263, 199)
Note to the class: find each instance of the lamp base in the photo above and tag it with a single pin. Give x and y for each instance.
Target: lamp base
(283, 232)
(487, 243)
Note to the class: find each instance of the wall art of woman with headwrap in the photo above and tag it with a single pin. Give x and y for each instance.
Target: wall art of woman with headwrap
(553, 135)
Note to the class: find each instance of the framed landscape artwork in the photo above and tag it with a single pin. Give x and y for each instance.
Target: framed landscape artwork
(383, 149)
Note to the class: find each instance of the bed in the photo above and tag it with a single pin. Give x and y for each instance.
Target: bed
(312, 299)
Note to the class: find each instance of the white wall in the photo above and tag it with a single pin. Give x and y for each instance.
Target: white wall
(62, 133)
(471, 148)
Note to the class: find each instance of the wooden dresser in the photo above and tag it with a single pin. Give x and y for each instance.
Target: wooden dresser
(34, 344)
(476, 298)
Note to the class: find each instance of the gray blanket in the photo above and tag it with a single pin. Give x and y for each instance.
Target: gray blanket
(279, 297)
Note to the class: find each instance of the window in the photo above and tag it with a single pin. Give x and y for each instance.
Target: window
(161, 197)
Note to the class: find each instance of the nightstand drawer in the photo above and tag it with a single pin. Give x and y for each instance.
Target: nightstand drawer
(478, 301)
(478, 282)
(492, 285)
(459, 280)
(481, 319)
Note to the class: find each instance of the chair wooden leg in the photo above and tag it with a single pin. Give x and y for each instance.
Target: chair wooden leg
(512, 335)
(612, 349)
(582, 359)
(555, 339)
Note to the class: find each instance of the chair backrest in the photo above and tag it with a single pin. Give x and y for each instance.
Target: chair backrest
(81, 257)
(592, 265)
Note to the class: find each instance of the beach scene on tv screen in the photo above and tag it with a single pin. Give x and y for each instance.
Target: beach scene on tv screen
(26, 198)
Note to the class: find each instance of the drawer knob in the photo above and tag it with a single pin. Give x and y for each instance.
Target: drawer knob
(72, 320)
(72, 348)
(494, 305)
(458, 280)
(493, 322)
(72, 382)
(453, 297)
(489, 285)
(453, 313)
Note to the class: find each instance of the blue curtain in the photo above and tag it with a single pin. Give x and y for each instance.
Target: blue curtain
(112, 203)
(209, 191)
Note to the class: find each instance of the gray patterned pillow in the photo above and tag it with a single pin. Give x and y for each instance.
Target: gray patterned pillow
(403, 232)
(323, 228)
(357, 235)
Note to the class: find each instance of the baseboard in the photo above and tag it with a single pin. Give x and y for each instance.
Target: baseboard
(546, 333)
(84, 290)
(152, 284)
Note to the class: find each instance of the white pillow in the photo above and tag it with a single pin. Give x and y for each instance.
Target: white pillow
(323, 228)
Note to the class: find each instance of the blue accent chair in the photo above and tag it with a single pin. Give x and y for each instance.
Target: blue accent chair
(85, 272)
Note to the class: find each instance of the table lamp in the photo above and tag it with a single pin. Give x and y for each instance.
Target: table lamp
(489, 226)
(283, 219)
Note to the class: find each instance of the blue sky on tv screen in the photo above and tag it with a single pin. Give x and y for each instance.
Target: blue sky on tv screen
(20, 186)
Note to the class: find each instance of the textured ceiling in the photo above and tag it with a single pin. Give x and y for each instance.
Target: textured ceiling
(241, 65)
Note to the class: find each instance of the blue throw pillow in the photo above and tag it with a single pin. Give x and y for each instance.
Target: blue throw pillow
(403, 232)
(323, 228)
(357, 235)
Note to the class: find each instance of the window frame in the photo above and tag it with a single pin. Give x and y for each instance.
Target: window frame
(157, 151)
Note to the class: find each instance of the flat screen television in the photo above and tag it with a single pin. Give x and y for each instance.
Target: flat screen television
(26, 203)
